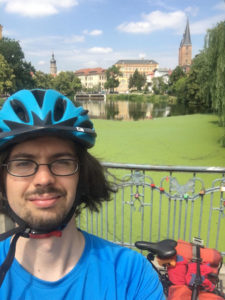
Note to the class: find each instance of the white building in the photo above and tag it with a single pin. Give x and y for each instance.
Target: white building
(92, 78)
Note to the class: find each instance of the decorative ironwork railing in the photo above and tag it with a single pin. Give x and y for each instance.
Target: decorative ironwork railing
(156, 202)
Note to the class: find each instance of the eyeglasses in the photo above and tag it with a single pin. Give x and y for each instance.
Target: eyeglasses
(25, 167)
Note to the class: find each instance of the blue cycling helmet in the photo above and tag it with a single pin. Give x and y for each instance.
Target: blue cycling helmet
(38, 112)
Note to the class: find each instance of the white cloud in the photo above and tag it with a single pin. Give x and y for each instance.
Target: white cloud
(100, 50)
(200, 27)
(142, 55)
(41, 63)
(192, 10)
(155, 21)
(94, 32)
(37, 8)
(74, 39)
(219, 6)
(160, 3)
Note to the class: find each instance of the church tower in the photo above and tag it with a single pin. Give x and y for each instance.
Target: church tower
(53, 68)
(1, 31)
(185, 50)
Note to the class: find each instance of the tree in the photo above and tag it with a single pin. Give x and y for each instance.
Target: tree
(177, 73)
(112, 75)
(214, 49)
(180, 90)
(67, 83)
(7, 78)
(43, 81)
(159, 86)
(14, 56)
(198, 79)
(137, 80)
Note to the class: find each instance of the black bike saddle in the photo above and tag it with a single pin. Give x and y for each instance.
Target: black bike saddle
(163, 249)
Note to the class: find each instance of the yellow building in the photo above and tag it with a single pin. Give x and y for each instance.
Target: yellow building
(92, 78)
(128, 67)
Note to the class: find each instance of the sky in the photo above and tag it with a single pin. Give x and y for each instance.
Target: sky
(98, 33)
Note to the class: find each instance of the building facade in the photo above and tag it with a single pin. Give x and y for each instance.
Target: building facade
(93, 78)
(53, 67)
(128, 67)
(185, 50)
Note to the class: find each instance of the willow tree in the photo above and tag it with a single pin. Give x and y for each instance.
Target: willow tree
(215, 52)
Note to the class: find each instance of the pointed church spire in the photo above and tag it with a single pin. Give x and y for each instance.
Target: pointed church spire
(187, 36)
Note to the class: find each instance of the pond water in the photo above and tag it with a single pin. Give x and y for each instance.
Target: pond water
(125, 110)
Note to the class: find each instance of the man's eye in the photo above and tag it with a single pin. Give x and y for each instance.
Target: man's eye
(63, 162)
(21, 164)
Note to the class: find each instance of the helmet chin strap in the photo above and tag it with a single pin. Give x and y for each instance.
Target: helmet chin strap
(27, 231)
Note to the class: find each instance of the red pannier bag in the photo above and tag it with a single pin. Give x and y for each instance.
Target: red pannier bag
(208, 296)
(208, 255)
(183, 273)
(182, 292)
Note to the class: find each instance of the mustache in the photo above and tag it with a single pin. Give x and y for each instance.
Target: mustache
(45, 190)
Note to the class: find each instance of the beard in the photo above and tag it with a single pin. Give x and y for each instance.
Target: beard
(47, 219)
(50, 221)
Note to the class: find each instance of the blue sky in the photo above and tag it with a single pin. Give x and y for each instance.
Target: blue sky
(97, 33)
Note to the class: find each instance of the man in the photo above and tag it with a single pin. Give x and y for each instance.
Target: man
(47, 176)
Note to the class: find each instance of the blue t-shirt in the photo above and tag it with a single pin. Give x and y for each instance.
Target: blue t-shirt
(105, 271)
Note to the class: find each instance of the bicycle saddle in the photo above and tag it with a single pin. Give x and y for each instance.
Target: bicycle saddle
(163, 249)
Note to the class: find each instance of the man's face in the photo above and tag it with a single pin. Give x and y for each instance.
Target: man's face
(43, 199)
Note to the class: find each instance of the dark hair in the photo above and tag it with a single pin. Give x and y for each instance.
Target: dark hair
(93, 188)
(93, 185)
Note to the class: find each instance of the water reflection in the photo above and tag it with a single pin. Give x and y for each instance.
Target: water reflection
(125, 110)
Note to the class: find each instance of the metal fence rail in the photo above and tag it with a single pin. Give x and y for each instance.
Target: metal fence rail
(157, 202)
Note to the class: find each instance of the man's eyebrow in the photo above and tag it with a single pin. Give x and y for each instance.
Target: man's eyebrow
(22, 155)
(61, 154)
(25, 155)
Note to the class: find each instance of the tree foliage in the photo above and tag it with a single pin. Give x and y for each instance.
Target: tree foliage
(67, 83)
(23, 71)
(7, 78)
(112, 78)
(159, 87)
(137, 80)
(215, 54)
(177, 74)
(43, 80)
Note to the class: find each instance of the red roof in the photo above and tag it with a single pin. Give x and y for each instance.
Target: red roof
(90, 71)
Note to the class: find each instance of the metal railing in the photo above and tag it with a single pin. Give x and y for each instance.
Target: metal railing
(157, 202)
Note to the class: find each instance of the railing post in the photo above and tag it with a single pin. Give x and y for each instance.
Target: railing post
(5, 223)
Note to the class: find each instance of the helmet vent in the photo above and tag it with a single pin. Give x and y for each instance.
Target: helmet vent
(86, 124)
(59, 110)
(84, 112)
(20, 110)
(39, 96)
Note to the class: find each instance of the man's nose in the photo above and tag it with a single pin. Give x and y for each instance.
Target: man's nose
(43, 176)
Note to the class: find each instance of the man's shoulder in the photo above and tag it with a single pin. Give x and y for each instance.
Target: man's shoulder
(127, 266)
(108, 247)
(111, 253)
